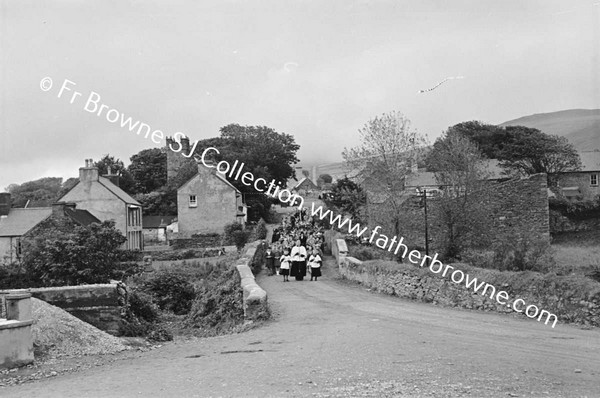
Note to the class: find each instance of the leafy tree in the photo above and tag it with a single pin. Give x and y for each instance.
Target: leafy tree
(67, 255)
(529, 151)
(149, 169)
(265, 153)
(348, 197)
(126, 182)
(327, 179)
(520, 150)
(162, 202)
(44, 189)
(388, 147)
(461, 170)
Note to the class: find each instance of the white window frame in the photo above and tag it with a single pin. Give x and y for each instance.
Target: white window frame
(593, 180)
(194, 202)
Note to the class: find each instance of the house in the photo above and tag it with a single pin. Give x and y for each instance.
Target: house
(207, 202)
(155, 227)
(106, 201)
(17, 225)
(303, 187)
(583, 184)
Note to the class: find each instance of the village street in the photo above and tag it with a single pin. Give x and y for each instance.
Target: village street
(332, 339)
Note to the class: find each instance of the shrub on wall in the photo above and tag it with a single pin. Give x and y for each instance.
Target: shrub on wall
(171, 291)
(219, 304)
(513, 254)
(579, 210)
(260, 231)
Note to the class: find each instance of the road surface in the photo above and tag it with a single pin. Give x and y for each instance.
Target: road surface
(334, 339)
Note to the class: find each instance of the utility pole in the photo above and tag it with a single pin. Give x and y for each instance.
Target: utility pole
(426, 228)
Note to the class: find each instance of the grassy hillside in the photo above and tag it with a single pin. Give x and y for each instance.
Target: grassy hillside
(580, 126)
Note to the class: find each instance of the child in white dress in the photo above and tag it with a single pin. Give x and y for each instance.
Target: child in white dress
(314, 261)
(284, 268)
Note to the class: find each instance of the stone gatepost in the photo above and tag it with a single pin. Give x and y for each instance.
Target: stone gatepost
(16, 341)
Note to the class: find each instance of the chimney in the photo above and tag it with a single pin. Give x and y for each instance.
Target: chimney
(58, 208)
(185, 145)
(4, 203)
(314, 174)
(114, 178)
(89, 173)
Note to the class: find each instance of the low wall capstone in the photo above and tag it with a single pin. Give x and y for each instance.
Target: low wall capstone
(255, 298)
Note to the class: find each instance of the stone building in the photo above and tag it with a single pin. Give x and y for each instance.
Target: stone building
(207, 202)
(106, 201)
(584, 184)
(18, 225)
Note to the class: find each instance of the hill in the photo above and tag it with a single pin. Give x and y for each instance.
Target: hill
(580, 126)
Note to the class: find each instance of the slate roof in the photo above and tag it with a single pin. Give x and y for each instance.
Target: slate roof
(124, 196)
(590, 160)
(20, 221)
(82, 217)
(156, 221)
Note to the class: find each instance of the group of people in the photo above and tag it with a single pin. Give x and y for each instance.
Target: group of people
(296, 247)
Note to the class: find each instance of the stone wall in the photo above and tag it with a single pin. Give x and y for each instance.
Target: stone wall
(255, 298)
(197, 241)
(99, 305)
(572, 299)
(517, 207)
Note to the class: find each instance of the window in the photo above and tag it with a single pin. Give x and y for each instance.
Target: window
(193, 201)
(594, 180)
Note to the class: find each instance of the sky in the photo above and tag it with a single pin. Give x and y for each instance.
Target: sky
(318, 70)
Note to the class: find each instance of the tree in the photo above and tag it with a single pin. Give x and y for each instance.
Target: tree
(520, 150)
(461, 171)
(529, 151)
(74, 255)
(326, 178)
(265, 153)
(149, 169)
(388, 148)
(42, 190)
(116, 166)
(348, 197)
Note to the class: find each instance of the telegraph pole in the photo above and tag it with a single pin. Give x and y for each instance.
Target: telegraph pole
(426, 228)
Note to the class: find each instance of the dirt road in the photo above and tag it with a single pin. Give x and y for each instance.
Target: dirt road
(330, 339)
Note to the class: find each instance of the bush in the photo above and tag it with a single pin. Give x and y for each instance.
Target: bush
(219, 304)
(61, 254)
(258, 260)
(240, 238)
(142, 319)
(514, 254)
(171, 291)
(230, 229)
(261, 230)
(142, 306)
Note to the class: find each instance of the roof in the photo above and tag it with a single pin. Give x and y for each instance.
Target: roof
(81, 217)
(20, 221)
(214, 174)
(421, 178)
(305, 180)
(590, 160)
(124, 196)
(157, 221)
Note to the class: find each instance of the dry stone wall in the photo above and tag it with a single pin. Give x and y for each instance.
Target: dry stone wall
(572, 299)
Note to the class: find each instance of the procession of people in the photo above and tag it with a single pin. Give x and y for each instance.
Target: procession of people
(296, 248)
